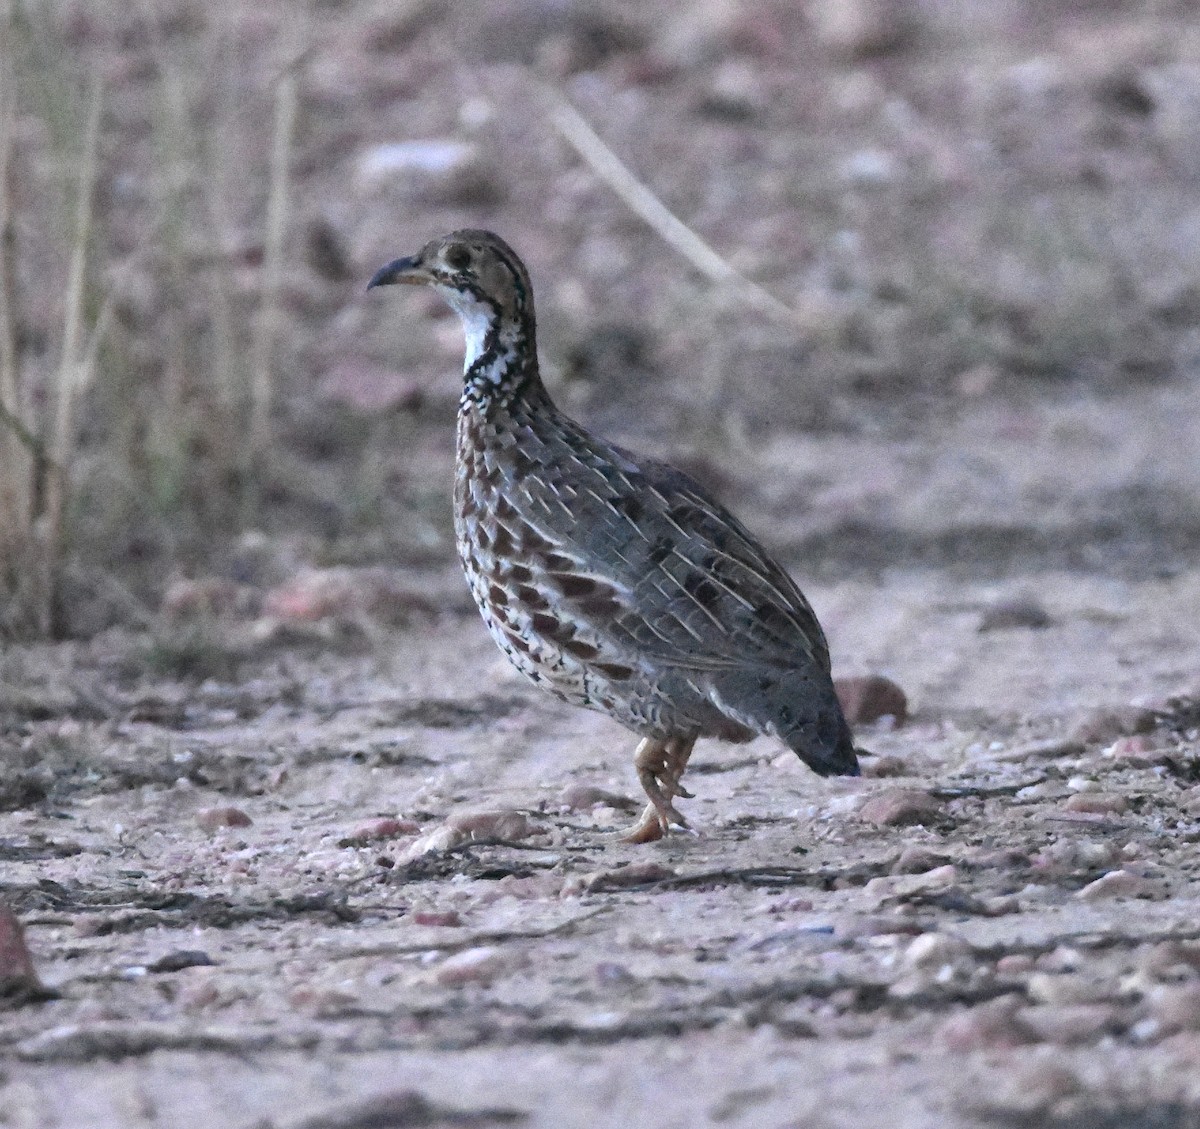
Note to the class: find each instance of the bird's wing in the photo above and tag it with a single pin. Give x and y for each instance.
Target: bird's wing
(662, 571)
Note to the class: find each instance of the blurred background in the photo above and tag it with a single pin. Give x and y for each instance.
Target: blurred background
(979, 224)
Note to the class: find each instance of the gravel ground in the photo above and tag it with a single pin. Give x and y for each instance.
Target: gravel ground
(291, 847)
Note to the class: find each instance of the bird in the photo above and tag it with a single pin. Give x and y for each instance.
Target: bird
(616, 582)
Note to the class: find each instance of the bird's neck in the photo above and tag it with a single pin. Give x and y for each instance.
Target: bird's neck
(501, 359)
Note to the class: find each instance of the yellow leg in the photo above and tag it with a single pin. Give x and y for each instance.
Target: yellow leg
(660, 767)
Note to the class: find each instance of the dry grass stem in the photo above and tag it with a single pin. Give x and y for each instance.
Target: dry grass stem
(17, 442)
(267, 328)
(609, 167)
(73, 374)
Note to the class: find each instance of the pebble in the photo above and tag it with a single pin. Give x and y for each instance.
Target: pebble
(880, 767)
(636, 874)
(1066, 988)
(917, 860)
(180, 959)
(869, 167)
(1051, 747)
(584, 797)
(369, 387)
(987, 1026)
(1115, 884)
(1016, 611)
(435, 917)
(509, 826)
(320, 1001)
(1139, 751)
(1014, 964)
(1027, 1091)
(436, 170)
(900, 807)
(1104, 724)
(1068, 1024)
(17, 974)
(441, 838)
(1176, 1007)
(205, 597)
(386, 828)
(480, 965)
(213, 819)
(934, 950)
(905, 885)
(861, 29)
(868, 699)
(1096, 803)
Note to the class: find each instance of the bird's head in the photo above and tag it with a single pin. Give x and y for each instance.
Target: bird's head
(480, 276)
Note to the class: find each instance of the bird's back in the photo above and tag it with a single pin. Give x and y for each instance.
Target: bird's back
(623, 585)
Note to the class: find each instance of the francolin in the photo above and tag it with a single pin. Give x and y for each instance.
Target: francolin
(616, 582)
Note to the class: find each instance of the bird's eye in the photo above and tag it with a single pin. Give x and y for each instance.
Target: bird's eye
(457, 257)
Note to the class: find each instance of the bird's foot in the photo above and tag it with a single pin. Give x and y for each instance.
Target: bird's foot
(660, 764)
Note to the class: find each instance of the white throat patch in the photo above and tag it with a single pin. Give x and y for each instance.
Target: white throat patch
(476, 318)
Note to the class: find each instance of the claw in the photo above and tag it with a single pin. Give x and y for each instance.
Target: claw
(660, 765)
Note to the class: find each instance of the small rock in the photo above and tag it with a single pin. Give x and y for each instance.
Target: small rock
(1176, 1007)
(978, 380)
(204, 598)
(1069, 1024)
(880, 768)
(861, 29)
(369, 387)
(989, 1026)
(1014, 964)
(917, 860)
(434, 171)
(939, 879)
(869, 168)
(509, 826)
(18, 978)
(441, 838)
(321, 1001)
(621, 877)
(1028, 1091)
(435, 917)
(867, 699)
(345, 593)
(934, 950)
(1066, 988)
(1115, 884)
(1044, 749)
(900, 807)
(1096, 803)
(377, 829)
(584, 797)
(1017, 611)
(1138, 751)
(735, 93)
(213, 819)
(853, 926)
(179, 960)
(325, 250)
(1104, 724)
(480, 965)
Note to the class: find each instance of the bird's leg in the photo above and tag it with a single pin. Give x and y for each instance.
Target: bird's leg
(660, 765)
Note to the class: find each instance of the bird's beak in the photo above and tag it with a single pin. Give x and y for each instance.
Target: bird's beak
(409, 271)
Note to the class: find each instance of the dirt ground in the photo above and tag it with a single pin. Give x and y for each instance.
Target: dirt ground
(291, 846)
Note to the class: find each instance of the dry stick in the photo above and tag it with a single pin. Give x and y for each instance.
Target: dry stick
(72, 375)
(261, 392)
(17, 443)
(609, 167)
